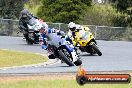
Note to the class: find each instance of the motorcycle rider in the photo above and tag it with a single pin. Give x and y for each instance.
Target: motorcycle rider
(76, 30)
(25, 16)
(44, 39)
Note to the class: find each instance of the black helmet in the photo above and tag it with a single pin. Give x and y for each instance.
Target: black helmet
(25, 13)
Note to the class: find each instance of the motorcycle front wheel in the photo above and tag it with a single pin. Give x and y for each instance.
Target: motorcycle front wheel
(63, 57)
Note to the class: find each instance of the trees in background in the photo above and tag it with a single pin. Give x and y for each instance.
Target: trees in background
(32, 5)
(72, 10)
(10, 8)
(99, 14)
(124, 7)
(63, 10)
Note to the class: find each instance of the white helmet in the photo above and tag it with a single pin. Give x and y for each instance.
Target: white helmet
(72, 26)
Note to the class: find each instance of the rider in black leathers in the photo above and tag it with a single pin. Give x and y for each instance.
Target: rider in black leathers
(25, 16)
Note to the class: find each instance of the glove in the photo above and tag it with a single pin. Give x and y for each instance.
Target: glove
(62, 36)
(81, 37)
(58, 33)
(44, 47)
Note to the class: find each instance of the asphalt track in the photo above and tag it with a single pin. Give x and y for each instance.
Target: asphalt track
(117, 56)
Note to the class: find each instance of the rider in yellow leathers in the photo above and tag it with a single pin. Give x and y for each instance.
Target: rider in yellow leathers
(82, 37)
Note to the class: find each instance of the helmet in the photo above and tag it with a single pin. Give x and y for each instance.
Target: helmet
(43, 29)
(25, 13)
(72, 26)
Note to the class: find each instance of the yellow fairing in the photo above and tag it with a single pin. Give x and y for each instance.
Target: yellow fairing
(83, 42)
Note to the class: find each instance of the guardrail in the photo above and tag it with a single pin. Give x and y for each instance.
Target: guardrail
(9, 27)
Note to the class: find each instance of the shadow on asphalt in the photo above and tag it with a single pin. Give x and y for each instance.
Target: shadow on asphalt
(29, 44)
(61, 65)
(87, 55)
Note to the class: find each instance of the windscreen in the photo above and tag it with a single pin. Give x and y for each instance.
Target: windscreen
(32, 21)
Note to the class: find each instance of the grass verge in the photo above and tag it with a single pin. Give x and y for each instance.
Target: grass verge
(51, 81)
(14, 58)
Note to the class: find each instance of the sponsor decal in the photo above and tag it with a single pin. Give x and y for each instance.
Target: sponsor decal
(82, 77)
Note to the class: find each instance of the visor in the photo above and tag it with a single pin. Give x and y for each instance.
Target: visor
(24, 15)
(72, 29)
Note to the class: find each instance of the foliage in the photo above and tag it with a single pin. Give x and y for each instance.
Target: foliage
(32, 6)
(11, 8)
(105, 14)
(120, 20)
(62, 10)
(100, 15)
(2, 3)
(122, 5)
(128, 34)
(125, 7)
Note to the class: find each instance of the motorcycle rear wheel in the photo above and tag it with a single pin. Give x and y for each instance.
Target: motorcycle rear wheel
(28, 40)
(96, 49)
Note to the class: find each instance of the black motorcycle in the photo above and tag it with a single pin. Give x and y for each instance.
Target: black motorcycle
(32, 35)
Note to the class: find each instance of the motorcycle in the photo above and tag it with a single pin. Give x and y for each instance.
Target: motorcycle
(34, 25)
(63, 49)
(86, 42)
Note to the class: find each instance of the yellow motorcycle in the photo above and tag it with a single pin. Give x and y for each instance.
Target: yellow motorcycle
(86, 42)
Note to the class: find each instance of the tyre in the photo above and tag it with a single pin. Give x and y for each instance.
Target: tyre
(96, 49)
(29, 42)
(90, 50)
(63, 57)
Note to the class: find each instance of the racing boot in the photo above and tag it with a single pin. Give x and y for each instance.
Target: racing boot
(51, 56)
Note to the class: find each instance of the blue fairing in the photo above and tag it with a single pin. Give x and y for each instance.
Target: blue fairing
(51, 30)
(70, 49)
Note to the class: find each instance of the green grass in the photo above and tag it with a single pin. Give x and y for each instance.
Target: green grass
(14, 58)
(58, 84)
